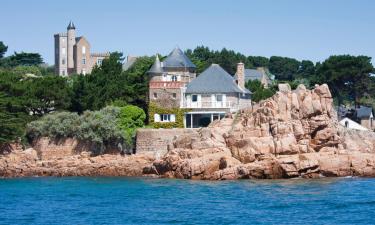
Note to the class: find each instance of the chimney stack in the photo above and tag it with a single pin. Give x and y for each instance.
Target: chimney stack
(241, 75)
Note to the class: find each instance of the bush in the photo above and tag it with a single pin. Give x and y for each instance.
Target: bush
(111, 126)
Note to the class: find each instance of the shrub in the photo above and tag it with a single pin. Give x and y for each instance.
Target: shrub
(111, 126)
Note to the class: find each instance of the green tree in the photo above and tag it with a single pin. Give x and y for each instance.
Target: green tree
(258, 61)
(23, 59)
(130, 118)
(258, 90)
(12, 121)
(306, 69)
(3, 49)
(284, 68)
(47, 94)
(349, 77)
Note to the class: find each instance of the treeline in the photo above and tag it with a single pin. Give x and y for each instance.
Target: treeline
(29, 90)
(350, 78)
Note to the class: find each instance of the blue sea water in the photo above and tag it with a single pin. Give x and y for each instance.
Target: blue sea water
(91, 200)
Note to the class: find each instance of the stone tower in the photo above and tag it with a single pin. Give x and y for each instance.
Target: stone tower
(71, 42)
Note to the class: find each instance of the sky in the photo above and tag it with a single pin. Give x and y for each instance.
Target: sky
(299, 29)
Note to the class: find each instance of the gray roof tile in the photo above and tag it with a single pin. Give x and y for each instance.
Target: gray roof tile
(364, 112)
(156, 67)
(214, 80)
(177, 59)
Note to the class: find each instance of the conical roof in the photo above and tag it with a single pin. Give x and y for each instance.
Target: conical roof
(156, 67)
(178, 59)
(214, 80)
(71, 26)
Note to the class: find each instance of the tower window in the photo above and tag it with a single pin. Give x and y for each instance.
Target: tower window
(174, 78)
(63, 61)
(83, 61)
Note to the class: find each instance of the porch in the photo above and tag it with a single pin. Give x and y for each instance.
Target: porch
(201, 119)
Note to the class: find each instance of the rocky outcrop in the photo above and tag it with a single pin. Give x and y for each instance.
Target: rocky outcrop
(31, 162)
(292, 134)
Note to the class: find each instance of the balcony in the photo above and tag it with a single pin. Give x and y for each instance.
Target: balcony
(210, 104)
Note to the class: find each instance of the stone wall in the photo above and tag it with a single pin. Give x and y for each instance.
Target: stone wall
(158, 140)
(48, 149)
(53, 149)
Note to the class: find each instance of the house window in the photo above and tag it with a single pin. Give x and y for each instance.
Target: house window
(219, 98)
(63, 51)
(194, 98)
(167, 118)
(174, 95)
(83, 50)
(63, 61)
(83, 61)
(155, 95)
(99, 62)
(174, 78)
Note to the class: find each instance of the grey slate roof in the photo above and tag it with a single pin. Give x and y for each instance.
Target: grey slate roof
(71, 26)
(156, 67)
(364, 112)
(177, 59)
(214, 80)
(129, 63)
(252, 74)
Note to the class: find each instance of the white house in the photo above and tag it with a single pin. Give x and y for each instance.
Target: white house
(350, 124)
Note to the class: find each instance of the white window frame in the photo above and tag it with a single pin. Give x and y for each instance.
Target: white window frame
(167, 118)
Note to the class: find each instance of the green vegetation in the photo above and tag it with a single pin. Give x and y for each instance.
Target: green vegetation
(110, 126)
(179, 113)
(108, 105)
(259, 92)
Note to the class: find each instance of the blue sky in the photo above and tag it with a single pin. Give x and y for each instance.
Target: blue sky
(295, 28)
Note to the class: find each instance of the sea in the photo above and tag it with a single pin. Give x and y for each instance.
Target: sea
(118, 200)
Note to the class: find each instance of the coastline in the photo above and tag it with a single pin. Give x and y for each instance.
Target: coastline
(292, 134)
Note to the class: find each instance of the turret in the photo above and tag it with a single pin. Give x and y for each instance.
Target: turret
(71, 42)
(156, 68)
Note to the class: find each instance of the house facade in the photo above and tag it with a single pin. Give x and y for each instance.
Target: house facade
(73, 54)
(365, 117)
(177, 98)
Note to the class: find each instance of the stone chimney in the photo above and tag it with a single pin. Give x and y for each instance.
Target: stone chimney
(240, 75)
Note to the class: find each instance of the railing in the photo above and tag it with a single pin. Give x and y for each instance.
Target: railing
(209, 104)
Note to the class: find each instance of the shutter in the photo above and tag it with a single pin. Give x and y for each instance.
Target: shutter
(156, 117)
(173, 118)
